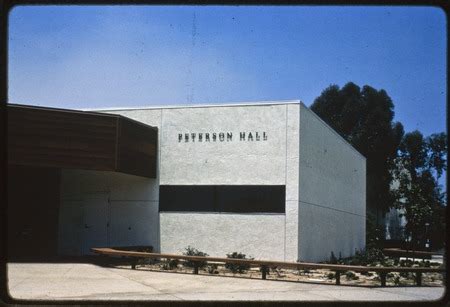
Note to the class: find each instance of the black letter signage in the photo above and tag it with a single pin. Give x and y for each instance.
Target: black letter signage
(248, 136)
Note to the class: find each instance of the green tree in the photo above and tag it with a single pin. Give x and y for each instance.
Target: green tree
(364, 117)
(420, 164)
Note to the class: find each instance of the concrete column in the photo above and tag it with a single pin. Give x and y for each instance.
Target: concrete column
(292, 180)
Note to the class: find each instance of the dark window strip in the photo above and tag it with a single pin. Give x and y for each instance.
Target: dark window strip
(228, 198)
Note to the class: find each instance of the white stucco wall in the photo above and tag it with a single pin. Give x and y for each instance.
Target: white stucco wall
(332, 204)
(119, 210)
(260, 236)
(228, 162)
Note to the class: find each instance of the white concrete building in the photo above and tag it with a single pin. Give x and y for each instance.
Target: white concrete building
(271, 180)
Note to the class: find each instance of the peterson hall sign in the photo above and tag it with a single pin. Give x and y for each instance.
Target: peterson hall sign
(221, 137)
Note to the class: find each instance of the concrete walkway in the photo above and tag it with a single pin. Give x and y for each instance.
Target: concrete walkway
(82, 281)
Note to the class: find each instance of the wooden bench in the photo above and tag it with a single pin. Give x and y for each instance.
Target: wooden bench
(397, 252)
(266, 264)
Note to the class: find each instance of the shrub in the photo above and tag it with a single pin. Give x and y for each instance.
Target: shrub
(406, 263)
(406, 275)
(435, 264)
(370, 256)
(235, 267)
(351, 275)
(147, 261)
(396, 261)
(331, 275)
(169, 264)
(212, 269)
(173, 263)
(389, 262)
(190, 251)
(374, 232)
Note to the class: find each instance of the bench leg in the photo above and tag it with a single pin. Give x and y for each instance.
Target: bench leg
(104, 260)
(383, 279)
(133, 263)
(195, 269)
(263, 271)
(419, 278)
(338, 277)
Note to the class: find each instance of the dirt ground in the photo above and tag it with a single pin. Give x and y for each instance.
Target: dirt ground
(316, 276)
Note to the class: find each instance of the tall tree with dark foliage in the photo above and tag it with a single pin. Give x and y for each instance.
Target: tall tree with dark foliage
(364, 117)
(420, 164)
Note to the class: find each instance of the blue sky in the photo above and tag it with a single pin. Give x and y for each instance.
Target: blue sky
(111, 56)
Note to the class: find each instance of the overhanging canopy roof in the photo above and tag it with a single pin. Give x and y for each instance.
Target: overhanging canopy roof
(63, 138)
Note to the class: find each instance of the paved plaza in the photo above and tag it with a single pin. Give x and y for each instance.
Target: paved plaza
(84, 281)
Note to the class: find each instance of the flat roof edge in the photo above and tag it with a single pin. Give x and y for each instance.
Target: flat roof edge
(210, 105)
(78, 111)
(334, 131)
